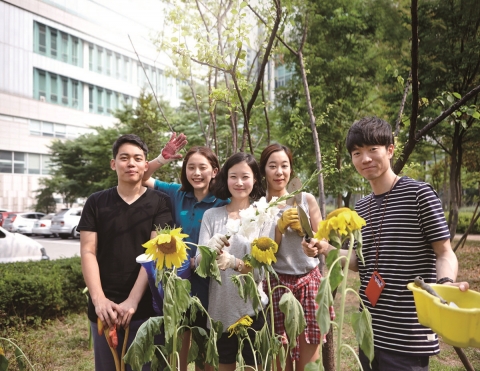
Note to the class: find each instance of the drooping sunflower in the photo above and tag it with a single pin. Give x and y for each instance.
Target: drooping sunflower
(167, 248)
(342, 220)
(264, 250)
(239, 326)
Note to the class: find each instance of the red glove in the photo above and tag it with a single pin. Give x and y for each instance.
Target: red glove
(170, 151)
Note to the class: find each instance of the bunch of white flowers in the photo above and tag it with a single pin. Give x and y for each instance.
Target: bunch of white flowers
(254, 219)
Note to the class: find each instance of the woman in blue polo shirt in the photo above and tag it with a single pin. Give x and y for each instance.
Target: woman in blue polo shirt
(190, 200)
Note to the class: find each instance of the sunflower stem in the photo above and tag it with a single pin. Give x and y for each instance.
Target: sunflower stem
(342, 302)
(272, 318)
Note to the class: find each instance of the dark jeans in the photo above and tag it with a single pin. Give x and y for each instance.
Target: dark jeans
(385, 360)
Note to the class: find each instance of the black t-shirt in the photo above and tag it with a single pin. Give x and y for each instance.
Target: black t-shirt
(121, 230)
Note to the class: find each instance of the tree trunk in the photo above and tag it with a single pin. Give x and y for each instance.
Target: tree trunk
(454, 181)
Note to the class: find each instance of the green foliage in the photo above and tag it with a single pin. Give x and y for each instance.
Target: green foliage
(464, 219)
(33, 292)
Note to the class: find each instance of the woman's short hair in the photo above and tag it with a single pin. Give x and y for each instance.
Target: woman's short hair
(205, 152)
(220, 188)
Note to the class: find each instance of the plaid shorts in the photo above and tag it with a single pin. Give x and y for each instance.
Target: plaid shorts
(304, 288)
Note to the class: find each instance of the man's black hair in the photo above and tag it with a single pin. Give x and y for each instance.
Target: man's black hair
(369, 131)
(129, 138)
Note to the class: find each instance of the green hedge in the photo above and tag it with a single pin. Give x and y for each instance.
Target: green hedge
(32, 292)
(464, 218)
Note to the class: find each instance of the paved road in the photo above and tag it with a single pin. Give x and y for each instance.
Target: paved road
(58, 248)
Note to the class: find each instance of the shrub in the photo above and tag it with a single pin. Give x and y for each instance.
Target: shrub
(32, 292)
(464, 218)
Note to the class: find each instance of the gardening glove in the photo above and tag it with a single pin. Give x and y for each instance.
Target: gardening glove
(225, 260)
(218, 242)
(290, 219)
(170, 151)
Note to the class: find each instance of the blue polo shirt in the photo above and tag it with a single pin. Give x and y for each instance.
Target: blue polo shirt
(187, 213)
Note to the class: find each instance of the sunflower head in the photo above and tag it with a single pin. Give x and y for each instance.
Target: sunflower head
(264, 250)
(167, 248)
(342, 220)
(239, 327)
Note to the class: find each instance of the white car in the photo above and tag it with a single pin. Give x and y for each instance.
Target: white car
(15, 247)
(42, 227)
(65, 222)
(22, 222)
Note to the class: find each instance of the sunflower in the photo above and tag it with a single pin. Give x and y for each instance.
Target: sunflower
(342, 220)
(167, 248)
(239, 326)
(264, 250)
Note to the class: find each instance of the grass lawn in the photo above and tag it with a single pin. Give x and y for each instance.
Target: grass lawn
(62, 345)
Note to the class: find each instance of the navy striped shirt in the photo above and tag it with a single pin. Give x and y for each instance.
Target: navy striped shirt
(413, 219)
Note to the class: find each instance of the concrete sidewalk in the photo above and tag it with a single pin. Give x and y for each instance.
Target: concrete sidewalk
(470, 237)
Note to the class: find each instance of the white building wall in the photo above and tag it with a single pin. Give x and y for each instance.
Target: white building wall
(91, 22)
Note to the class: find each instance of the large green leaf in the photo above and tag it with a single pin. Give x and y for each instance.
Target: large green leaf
(324, 299)
(315, 366)
(357, 234)
(142, 348)
(20, 357)
(176, 302)
(3, 362)
(216, 329)
(336, 274)
(263, 346)
(362, 325)
(208, 265)
(294, 317)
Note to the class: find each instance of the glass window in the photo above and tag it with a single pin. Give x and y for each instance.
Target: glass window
(109, 63)
(19, 163)
(75, 93)
(35, 127)
(72, 131)
(118, 65)
(47, 129)
(64, 47)
(75, 60)
(126, 69)
(45, 164)
(90, 98)
(53, 88)
(42, 38)
(99, 59)
(5, 162)
(108, 102)
(60, 130)
(33, 163)
(42, 84)
(64, 90)
(90, 57)
(100, 100)
(53, 42)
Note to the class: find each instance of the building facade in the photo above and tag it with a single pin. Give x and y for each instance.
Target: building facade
(64, 67)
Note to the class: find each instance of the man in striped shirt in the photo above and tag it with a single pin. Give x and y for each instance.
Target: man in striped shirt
(406, 236)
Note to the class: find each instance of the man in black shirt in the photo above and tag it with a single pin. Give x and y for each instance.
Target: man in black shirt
(114, 225)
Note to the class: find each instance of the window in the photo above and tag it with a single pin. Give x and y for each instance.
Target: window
(109, 63)
(42, 38)
(64, 47)
(57, 45)
(53, 88)
(90, 98)
(42, 85)
(60, 130)
(90, 57)
(65, 90)
(108, 102)
(5, 162)
(99, 59)
(75, 60)
(35, 127)
(19, 163)
(99, 100)
(33, 163)
(57, 89)
(118, 64)
(47, 129)
(53, 43)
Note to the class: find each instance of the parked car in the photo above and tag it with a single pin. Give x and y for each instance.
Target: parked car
(42, 226)
(15, 247)
(65, 222)
(22, 222)
(4, 214)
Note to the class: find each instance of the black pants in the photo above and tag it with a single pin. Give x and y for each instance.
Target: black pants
(385, 360)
